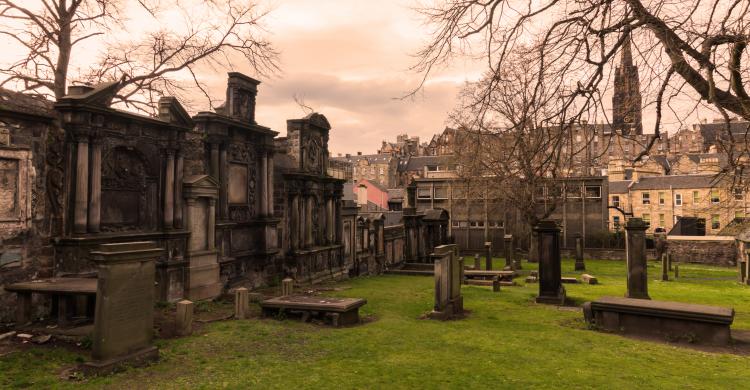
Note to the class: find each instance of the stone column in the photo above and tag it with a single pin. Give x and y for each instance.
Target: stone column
(488, 256)
(580, 265)
(223, 185)
(309, 221)
(95, 196)
(635, 252)
(80, 212)
(664, 267)
(269, 168)
(178, 175)
(551, 289)
(508, 246)
(294, 219)
(211, 229)
(329, 221)
(263, 185)
(339, 226)
(303, 221)
(215, 161)
(169, 191)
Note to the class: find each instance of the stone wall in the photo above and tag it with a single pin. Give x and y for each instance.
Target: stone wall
(714, 250)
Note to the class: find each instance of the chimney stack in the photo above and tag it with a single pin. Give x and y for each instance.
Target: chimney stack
(241, 93)
(359, 153)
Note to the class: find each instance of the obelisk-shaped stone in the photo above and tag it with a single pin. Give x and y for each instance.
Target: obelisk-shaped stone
(635, 253)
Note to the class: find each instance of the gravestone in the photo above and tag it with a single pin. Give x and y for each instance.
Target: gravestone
(589, 279)
(508, 241)
(184, 318)
(477, 262)
(635, 253)
(124, 315)
(488, 255)
(287, 287)
(580, 265)
(448, 299)
(241, 303)
(551, 290)
(664, 267)
(676, 271)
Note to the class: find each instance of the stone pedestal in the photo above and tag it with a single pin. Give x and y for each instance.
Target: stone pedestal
(635, 252)
(448, 272)
(488, 255)
(184, 318)
(124, 318)
(664, 267)
(580, 265)
(477, 262)
(509, 260)
(241, 303)
(551, 290)
(287, 287)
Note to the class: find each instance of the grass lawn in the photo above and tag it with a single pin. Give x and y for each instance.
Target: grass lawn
(507, 341)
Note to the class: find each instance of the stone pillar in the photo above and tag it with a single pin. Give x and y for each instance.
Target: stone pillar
(339, 225)
(302, 222)
(184, 318)
(488, 256)
(80, 213)
(270, 184)
(635, 252)
(309, 222)
(329, 221)
(551, 289)
(664, 267)
(477, 262)
(263, 185)
(178, 175)
(287, 287)
(241, 303)
(211, 229)
(169, 191)
(223, 185)
(580, 265)
(294, 225)
(508, 244)
(95, 197)
(189, 204)
(215, 161)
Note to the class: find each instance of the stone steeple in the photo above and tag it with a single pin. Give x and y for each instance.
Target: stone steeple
(626, 103)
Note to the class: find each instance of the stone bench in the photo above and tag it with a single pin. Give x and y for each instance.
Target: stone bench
(63, 291)
(671, 321)
(340, 311)
(503, 275)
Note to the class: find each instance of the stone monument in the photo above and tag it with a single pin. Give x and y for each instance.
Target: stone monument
(203, 281)
(664, 267)
(551, 290)
(124, 315)
(509, 261)
(488, 255)
(448, 270)
(580, 265)
(635, 253)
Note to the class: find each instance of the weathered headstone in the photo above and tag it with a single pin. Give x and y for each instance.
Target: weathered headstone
(124, 315)
(508, 243)
(551, 289)
(241, 303)
(676, 271)
(477, 262)
(580, 265)
(255, 297)
(635, 253)
(488, 255)
(448, 299)
(664, 267)
(287, 287)
(533, 247)
(184, 318)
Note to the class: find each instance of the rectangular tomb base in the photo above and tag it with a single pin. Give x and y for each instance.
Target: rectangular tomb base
(140, 358)
(661, 320)
(558, 299)
(337, 311)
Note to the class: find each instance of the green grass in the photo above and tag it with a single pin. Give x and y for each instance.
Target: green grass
(506, 342)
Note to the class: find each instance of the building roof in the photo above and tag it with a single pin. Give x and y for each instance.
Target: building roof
(619, 187)
(712, 131)
(417, 163)
(25, 104)
(374, 184)
(395, 194)
(383, 158)
(674, 182)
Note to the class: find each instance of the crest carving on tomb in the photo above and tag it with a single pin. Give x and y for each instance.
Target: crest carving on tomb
(242, 153)
(313, 155)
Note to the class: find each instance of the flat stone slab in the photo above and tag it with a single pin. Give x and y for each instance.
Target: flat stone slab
(341, 311)
(60, 286)
(569, 280)
(672, 321)
(589, 279)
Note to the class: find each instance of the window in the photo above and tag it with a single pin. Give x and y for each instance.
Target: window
(476, 224)
(616, 221)
(661, 220)
(714, 196)
(647, 218)
(455, 224)
(593, 192)
(424, 193)
(432, 168)
(441, 192)
(573, 192)
(696, 197)
(678, 199)
(738, 194)
(646, 196)
(616, 201)
(661, 198)
(382, 171)
(715, 224)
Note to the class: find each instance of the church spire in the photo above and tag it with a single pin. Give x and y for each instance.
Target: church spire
(626, 103)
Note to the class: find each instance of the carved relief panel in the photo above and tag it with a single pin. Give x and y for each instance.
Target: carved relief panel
(129, 191)
(242, 181)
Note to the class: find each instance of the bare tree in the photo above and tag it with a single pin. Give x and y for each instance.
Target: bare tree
(214, 34)
(695, 46)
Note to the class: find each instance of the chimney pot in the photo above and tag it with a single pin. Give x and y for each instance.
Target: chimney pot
(359, 153)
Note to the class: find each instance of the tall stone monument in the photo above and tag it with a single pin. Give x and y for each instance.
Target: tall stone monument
(580, 265)
(551, 290)
(488, 255)
(448, 275)
(635, 252)
(508, 244)
(124, 315)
